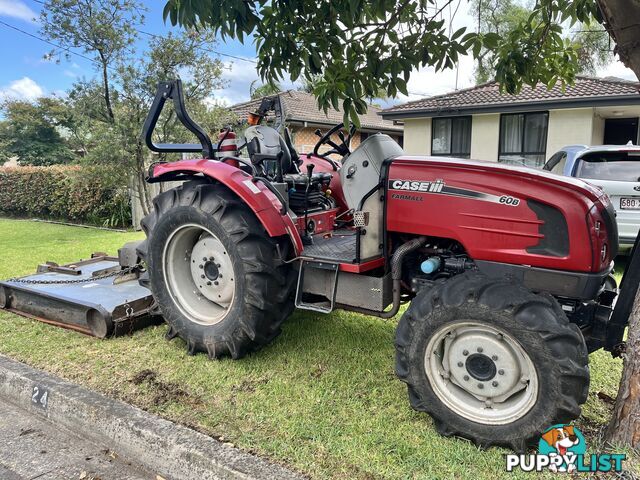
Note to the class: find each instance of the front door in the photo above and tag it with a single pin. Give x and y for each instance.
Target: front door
(620, 131)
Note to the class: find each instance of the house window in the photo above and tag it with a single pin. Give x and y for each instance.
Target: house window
(451, 137)
(523, 138)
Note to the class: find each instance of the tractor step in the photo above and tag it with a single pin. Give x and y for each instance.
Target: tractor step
(324, 304)
(98, 296)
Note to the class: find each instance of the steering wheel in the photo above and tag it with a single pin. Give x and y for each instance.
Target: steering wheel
(342, 149)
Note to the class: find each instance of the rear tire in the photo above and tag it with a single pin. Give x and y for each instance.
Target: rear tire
(233, 298)
(490, 361)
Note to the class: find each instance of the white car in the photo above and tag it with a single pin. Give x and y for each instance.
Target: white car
(615, 169)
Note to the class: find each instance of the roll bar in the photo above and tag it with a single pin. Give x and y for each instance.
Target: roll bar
(173, 90)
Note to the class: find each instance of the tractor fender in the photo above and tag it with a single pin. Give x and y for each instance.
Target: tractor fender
(255, 195)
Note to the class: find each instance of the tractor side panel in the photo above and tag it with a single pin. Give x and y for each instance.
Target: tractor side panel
(262, 202)
(497, 214)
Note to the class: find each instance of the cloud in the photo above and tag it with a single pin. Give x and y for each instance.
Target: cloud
(617, 69)
(23, 89)
(426, 82)
(239, 75)
(17, 9)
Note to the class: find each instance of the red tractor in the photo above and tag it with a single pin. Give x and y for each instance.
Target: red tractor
(507, 271)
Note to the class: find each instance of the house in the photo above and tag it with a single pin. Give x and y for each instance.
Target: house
(524, 129)
(302, 116)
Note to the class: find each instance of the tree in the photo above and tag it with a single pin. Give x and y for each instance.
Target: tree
(33, 132)
(109, 111)
(264, 90)
(168, 58)
(103, 29)
(358, 47)
(624, 428)
(118, 141)
(503, 16)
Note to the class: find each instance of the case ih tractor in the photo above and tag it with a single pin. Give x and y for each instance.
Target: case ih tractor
(507, 271)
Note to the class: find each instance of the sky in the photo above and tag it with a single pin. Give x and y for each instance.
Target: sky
(27, 75)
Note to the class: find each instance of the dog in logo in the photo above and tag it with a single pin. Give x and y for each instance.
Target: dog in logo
(562, 439)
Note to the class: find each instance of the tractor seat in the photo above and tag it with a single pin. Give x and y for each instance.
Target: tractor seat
(264, 142)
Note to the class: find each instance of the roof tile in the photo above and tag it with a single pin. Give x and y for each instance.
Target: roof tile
(302, 107)
(489, 94)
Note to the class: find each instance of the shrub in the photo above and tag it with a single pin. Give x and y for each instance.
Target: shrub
(76, 193)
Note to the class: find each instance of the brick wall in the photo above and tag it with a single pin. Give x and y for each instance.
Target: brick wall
(304, 139)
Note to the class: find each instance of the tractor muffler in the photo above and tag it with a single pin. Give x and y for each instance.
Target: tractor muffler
(99, 296)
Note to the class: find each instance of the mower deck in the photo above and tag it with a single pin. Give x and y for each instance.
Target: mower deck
(82, 299)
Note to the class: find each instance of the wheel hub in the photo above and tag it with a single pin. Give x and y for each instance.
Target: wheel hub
(209, 263)
(481, 367)
(482, 362)
(211, 270)
(481, 372)
(199, 274)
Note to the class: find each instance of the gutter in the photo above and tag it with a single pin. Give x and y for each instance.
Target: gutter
(608, 101)
(363, 128)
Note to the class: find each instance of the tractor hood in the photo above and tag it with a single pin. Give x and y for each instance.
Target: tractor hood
(502, 213)
(591, 191)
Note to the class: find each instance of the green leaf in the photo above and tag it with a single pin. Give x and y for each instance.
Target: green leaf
(458, 32)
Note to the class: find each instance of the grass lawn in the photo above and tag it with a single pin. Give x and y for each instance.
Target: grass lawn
(322, 399)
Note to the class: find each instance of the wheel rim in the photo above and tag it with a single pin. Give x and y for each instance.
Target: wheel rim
(199, 274)
(481, 373)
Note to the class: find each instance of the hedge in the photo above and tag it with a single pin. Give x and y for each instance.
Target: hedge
(80, 194)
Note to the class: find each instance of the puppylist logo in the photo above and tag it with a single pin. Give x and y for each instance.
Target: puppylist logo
(562, 448)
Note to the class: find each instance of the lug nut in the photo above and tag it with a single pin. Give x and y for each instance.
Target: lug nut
(494, 383)
(460, 364)
(204, 259)
(480, 349)
(465, 352)
(215, 283)
(201, 266)
(211, 259)
(500, 372)
(481, 385)
(466, 378)
(494, 357)
(209, 283)
(202, 276)
(218, 265)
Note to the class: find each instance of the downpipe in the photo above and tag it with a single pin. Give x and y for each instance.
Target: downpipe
(396, 276)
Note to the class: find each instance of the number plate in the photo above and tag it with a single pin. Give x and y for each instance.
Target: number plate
(630, 203)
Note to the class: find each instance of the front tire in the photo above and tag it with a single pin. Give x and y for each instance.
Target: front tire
(218, 279)
(490, 361)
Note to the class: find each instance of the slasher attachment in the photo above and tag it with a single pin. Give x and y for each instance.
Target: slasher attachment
(100, 296)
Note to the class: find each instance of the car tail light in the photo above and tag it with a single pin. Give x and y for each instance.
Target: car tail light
(601, 250)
